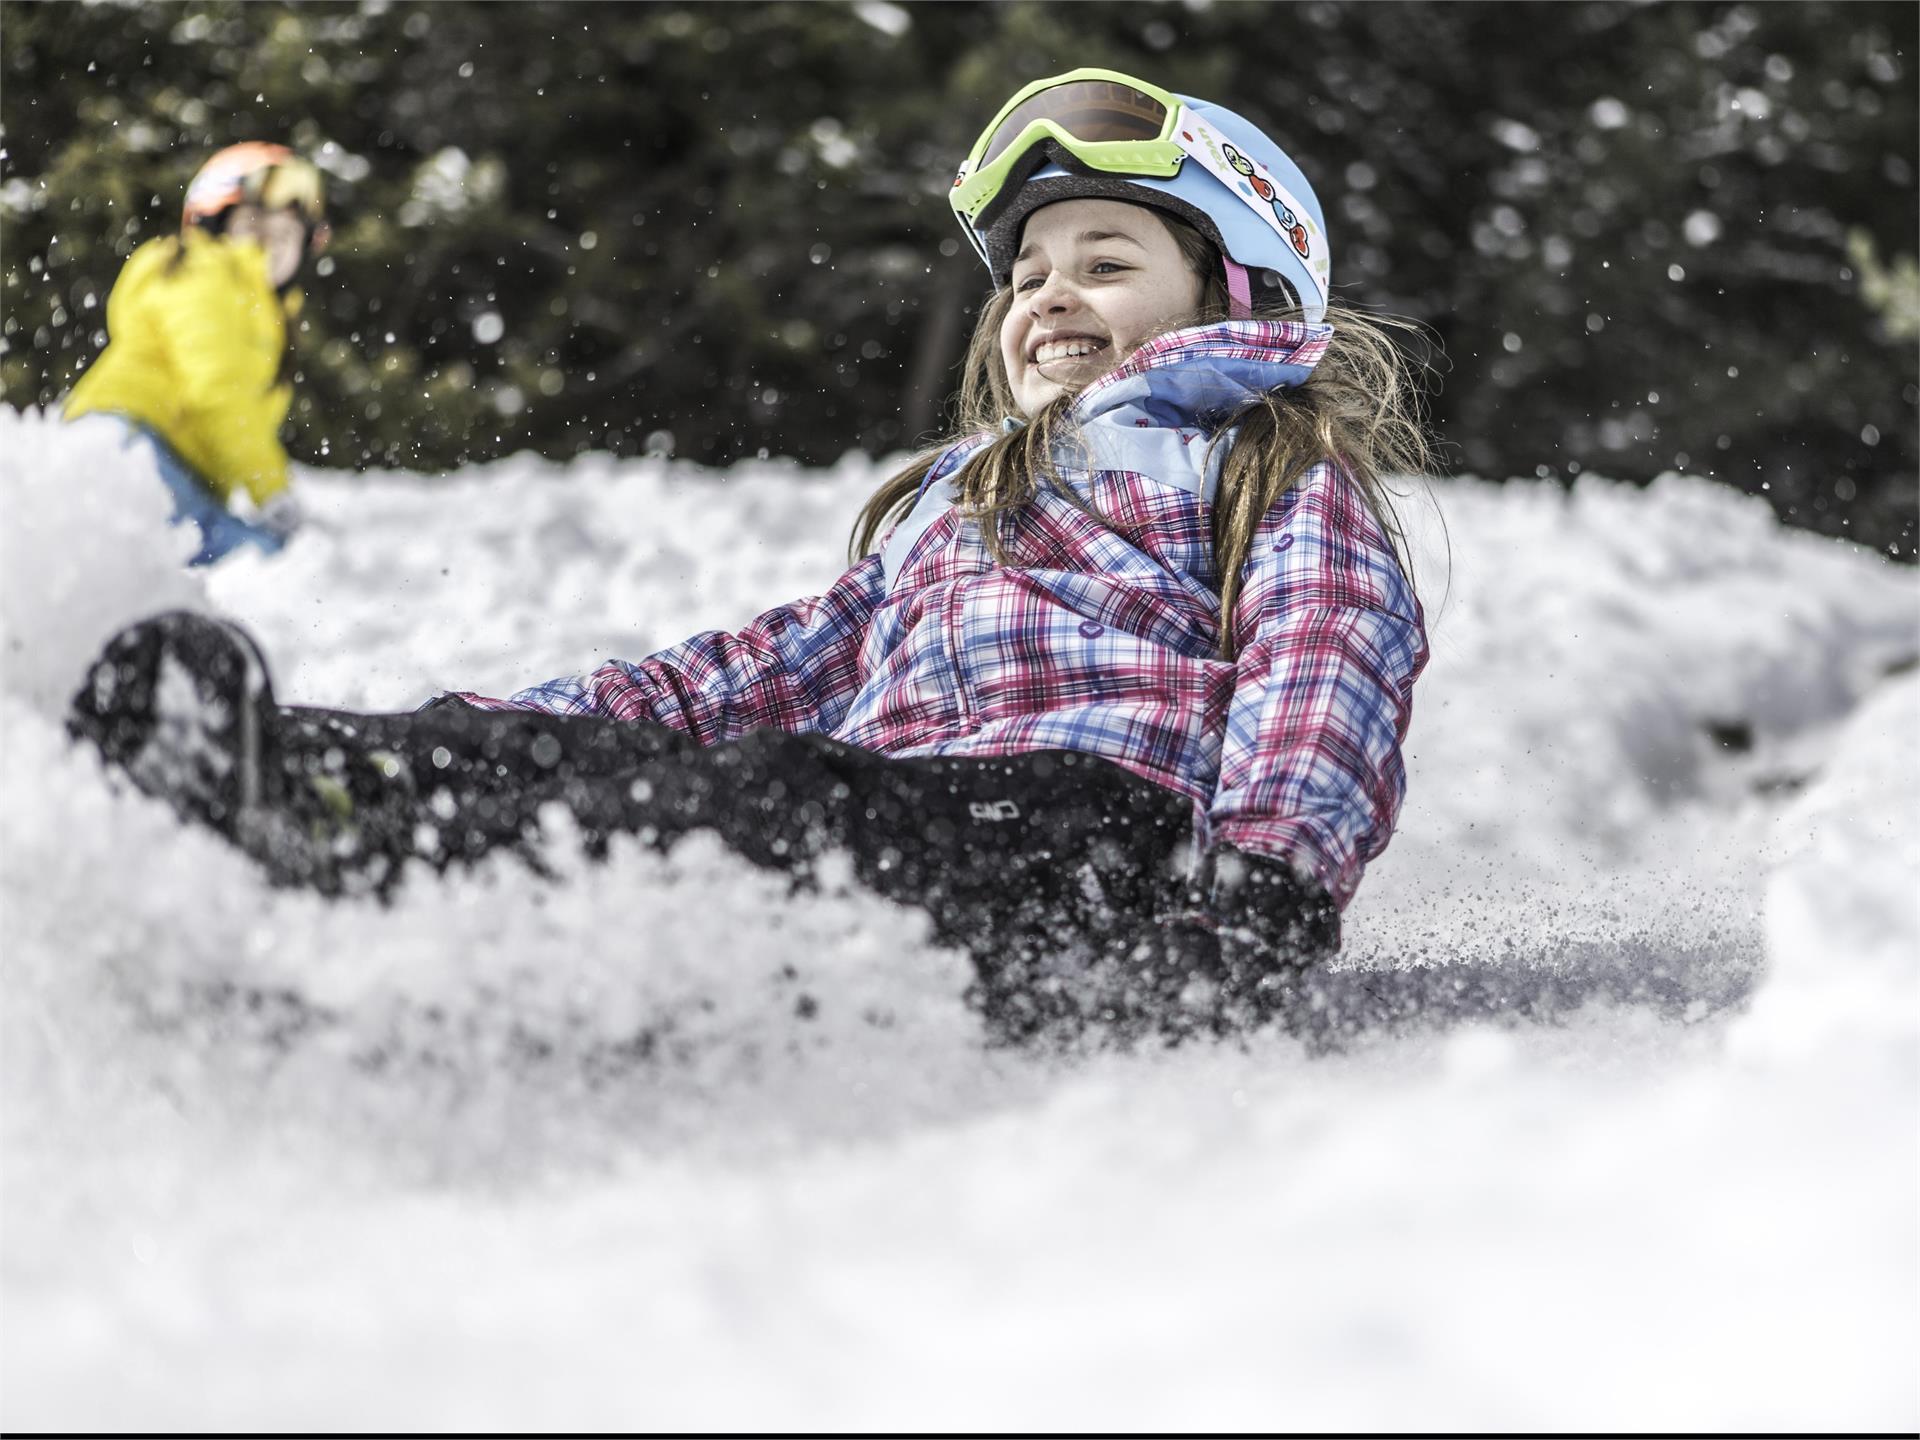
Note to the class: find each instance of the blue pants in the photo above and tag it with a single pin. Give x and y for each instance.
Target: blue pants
(193, 501)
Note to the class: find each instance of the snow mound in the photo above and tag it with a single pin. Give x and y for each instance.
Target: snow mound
(84, 548)
(1635, 1098)
(1843, 906)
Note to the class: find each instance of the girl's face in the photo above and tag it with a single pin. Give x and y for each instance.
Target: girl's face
(281, 233)
(1094, 279)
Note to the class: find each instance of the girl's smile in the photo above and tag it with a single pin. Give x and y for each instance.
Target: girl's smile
(1094, 280)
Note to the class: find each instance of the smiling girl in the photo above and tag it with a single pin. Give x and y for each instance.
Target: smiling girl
(1116, 686)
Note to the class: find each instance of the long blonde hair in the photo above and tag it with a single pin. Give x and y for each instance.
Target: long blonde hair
(1363, 405)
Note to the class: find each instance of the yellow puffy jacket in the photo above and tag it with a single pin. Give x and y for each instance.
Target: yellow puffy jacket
(194, 349)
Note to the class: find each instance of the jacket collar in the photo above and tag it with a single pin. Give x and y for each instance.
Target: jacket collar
(1159, 408)
(1205, 372)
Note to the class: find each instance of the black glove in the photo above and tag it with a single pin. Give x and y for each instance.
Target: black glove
(1269, 915)
(1231, 960)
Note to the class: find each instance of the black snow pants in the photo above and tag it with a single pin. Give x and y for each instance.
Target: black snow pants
(1044, 867)
(1033, 864)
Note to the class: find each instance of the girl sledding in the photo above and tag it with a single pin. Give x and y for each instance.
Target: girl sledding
(1115, 687)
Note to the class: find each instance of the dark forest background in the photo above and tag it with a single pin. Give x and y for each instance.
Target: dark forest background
(1649, 237)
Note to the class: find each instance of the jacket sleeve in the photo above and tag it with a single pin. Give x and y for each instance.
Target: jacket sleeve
(795, 668)
(1330, 639)
(225, 360)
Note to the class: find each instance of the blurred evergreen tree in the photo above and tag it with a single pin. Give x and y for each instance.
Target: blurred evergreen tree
(1649, 238)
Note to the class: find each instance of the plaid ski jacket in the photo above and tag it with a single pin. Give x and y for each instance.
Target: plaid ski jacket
(1101, 632)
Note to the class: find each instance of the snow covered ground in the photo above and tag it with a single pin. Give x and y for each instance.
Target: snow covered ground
(1662, 743)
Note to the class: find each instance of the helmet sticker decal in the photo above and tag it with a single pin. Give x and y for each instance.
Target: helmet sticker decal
(1263, 187)
(1243, 174)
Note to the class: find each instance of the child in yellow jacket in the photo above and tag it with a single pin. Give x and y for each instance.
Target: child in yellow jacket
(198, 344)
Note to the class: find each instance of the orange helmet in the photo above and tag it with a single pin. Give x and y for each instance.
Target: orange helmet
(257, 173)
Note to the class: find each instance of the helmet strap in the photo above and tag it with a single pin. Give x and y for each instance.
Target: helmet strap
(1239, 292)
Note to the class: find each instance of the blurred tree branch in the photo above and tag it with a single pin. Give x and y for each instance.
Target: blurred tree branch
(1640, 231)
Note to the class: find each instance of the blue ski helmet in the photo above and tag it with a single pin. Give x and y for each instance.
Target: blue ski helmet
(1230, 181)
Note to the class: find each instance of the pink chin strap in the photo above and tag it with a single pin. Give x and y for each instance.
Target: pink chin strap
(1239, 291)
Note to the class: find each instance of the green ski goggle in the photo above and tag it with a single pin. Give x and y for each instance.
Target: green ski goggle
(1107, 121)
(1115, 124)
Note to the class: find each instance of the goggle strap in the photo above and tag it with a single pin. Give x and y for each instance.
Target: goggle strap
(1239, 292)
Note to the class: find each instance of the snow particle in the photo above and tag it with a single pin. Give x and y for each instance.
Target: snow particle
(1702, 227)
(888, 19)
(1515, 136)
(1608, 113)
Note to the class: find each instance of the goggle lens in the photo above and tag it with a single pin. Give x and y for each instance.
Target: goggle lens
(1091, 110)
